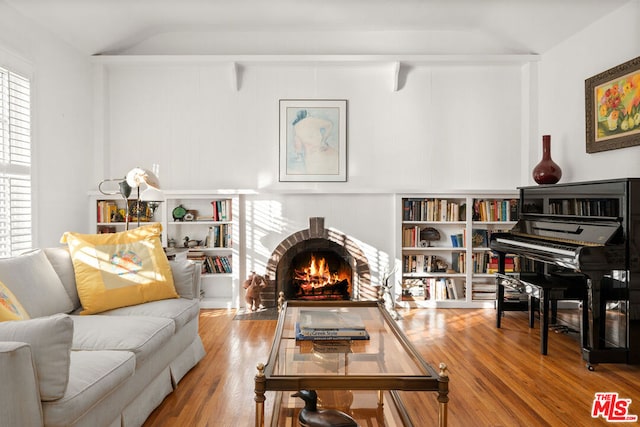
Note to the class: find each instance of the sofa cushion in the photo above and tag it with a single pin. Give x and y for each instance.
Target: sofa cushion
(94, 375)
(35, 284)
(180, 310)
(142, 336)
(184, 278)
(10, 307)
(120, 269)
(60, 259)
(50, 339)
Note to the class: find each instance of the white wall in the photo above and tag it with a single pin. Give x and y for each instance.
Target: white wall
(563, 70)
(61, 126)
(449, 127)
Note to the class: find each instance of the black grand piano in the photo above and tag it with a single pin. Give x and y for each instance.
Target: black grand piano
(580, 241)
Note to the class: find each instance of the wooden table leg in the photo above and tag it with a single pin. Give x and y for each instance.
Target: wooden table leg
(260, 386)
(443, 395)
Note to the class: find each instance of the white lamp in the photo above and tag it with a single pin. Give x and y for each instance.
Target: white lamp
(134, 179)
(152, 194)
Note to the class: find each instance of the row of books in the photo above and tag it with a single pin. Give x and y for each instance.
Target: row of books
(211, 264)
(221, 210)
(495, 210)
(479, 239)
(432, 210)
(483, 263)
(585, 207)
(421, 263)
(219, 236)
(106, 210)
(432, 288)
(334, 324)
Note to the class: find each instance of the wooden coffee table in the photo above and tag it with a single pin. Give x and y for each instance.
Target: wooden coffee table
(386, 363)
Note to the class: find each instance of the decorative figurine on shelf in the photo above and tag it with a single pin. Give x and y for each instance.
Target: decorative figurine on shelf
(189, 243)
(310, 416)
(254, 285)
(178, 213)
(429, 235)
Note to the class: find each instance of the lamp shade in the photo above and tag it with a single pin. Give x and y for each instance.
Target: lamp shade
(137, 176)
(151, 195)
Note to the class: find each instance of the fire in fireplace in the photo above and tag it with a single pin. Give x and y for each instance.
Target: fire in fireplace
(319, 275)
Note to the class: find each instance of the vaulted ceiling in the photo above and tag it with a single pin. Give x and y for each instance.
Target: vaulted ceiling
(314, 26)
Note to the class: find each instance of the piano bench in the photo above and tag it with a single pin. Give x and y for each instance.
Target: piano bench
(544, 292)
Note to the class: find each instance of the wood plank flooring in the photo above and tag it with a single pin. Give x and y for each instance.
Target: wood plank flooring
(497, 376)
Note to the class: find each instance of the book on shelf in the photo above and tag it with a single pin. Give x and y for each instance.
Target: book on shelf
(484, 296)
(106, 210)
(216, 264)
(479, 238)
(452, 290)
(495, 210)
(511, 264)
(221, 210)
(413, 289)
(219, 236)
(438, 210)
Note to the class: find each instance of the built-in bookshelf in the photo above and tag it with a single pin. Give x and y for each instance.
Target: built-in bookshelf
(206, 223)
(444, 254)
(203, 223)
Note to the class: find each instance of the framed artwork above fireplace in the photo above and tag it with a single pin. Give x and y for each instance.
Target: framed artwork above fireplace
(313, 140)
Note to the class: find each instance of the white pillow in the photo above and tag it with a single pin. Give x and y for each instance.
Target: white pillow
(35, 284)
(183, 272)
(50, 339)
(60, 260)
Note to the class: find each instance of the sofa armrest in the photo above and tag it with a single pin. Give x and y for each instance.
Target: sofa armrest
(20, 404)
(186, 278)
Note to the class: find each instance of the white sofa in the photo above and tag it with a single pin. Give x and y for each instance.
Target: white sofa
(109, 369)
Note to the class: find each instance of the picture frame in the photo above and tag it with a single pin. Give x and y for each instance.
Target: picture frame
(612, 108)
(313, 140)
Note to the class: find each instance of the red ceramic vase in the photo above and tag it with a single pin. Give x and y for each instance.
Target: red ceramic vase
(547, 171)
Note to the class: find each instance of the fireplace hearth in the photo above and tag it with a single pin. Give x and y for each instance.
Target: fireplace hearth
(318, 264)
(316, 276)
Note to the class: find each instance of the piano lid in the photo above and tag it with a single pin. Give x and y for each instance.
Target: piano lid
(583, 231)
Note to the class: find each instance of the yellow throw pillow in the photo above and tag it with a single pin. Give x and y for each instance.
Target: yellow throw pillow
(120, 269)
(10, 307)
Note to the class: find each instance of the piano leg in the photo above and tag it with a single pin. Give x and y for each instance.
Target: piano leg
(544, 328)
(533, 301)
(500, 290)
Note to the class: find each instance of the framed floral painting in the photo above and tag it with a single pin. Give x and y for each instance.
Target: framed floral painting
(612, 108)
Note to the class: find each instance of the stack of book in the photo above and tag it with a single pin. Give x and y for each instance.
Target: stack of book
(335, 324)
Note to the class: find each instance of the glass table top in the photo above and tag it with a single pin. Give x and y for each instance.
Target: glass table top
(386, 353)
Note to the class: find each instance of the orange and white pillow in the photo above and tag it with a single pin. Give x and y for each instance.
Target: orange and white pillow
(10, 307)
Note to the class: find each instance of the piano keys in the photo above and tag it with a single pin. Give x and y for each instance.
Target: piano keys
(589, 229)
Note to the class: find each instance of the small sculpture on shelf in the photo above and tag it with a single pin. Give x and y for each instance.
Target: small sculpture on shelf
(190, 243)
(254, 285)
(429, 235)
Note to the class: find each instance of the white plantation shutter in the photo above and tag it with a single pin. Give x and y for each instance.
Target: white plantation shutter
(15, 163)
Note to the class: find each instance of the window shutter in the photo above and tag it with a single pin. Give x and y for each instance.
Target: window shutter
(15, 164)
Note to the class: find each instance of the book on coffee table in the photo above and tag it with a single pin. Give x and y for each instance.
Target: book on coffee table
(330, 334)
(330, 324)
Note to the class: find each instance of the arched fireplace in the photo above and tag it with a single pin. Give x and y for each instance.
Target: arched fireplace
(315, 270)
(318, 264)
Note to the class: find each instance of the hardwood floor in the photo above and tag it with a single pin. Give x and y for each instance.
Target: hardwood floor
(497, 376)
